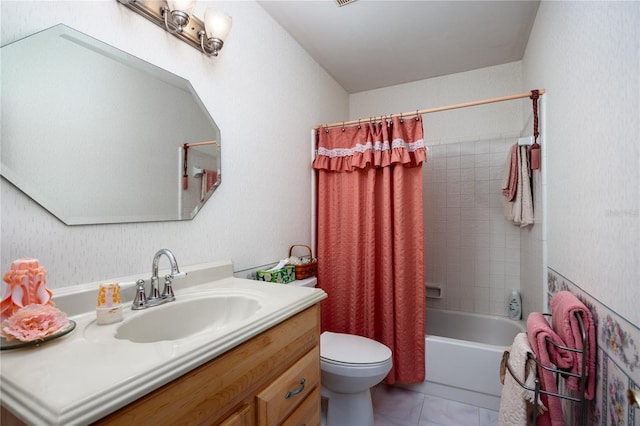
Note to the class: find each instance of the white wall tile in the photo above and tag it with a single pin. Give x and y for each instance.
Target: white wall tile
(483, 160)
(498, 158)
(483, 147)
(453, 162)
(497, 308)
(468, 148)
(483, 173)
(482, 187)
(467, 161)
(496, 173)
(453, 150)
(497, 280)
(497, 294)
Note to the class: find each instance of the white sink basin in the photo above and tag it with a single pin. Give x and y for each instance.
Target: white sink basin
(183, 318)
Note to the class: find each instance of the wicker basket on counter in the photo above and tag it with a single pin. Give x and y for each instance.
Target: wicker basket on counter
(305, 270)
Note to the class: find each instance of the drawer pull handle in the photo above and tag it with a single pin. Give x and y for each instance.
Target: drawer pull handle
(297, 391)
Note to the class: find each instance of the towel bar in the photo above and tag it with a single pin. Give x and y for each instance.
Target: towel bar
(560, 373)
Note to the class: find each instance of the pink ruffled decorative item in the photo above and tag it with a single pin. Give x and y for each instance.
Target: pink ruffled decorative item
(34, 322)
(27, 284)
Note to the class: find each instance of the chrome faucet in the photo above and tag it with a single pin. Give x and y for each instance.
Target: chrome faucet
(154, 298)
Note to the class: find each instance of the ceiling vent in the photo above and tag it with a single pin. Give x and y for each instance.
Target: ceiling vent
(344, 2)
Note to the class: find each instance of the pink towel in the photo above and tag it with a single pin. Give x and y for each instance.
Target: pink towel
(538, 330)
(510, 178)
(564, 306)
(212, 177)
(209, 179)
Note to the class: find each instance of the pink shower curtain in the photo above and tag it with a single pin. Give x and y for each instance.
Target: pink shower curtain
(370, 237)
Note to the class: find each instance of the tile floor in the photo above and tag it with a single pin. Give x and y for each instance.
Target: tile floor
(395, 406)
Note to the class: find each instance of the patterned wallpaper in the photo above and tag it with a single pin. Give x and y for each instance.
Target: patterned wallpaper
(618, 358)
(586, 55)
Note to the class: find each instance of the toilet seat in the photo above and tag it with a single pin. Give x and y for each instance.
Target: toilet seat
(353, 351)
(354, 364)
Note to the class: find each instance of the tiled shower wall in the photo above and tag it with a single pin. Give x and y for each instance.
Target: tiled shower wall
(471, 252)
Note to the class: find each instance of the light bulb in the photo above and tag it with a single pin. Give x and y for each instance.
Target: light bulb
(185, 6)
(217, 24)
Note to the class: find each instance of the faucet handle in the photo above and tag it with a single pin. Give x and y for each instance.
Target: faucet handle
(167, 293)
(140, 302)
(178, 275)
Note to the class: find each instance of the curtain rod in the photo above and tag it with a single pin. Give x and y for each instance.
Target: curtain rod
(437, 109)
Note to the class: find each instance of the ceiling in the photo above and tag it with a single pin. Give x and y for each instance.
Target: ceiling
(368, 44)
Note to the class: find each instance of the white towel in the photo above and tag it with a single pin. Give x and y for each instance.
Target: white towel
(514, 398)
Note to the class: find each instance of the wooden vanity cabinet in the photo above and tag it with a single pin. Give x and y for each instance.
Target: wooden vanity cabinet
(246, 386)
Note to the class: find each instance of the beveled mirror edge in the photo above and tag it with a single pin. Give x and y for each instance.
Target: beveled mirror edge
(107, 50)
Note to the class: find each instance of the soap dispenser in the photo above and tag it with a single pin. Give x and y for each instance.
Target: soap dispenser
(515, 305)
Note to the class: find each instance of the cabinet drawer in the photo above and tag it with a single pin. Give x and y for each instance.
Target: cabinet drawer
(242, 417)
(308, 412)
(286, 392)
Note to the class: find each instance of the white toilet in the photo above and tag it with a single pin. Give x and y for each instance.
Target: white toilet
(349, 366)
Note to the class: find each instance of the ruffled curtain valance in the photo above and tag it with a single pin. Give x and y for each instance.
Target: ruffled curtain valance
(371, 145)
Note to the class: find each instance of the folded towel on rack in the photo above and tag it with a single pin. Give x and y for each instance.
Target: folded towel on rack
(511, 166)
(517, 402)
(510, 175)
(564, 307)
(209, 179)
(539, 332)
(522, 212)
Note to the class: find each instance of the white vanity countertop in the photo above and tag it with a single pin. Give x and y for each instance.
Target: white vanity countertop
(87, 374)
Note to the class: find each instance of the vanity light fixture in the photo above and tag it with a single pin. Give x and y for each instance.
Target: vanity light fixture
(176, 17)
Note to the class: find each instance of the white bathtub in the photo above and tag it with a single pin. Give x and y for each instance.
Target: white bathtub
(463, 353)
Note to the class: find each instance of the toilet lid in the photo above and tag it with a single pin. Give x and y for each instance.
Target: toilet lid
(349, 348)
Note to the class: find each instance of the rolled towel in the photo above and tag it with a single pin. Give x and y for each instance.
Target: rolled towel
(564, 307)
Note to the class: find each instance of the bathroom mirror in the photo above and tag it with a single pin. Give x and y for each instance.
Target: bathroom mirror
(96, 135)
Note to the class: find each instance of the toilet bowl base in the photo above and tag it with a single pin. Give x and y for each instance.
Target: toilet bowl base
(347, 409)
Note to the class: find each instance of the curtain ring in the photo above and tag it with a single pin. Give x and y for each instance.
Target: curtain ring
(401, 119)
(417, 116)
(358, 123)
(326, 128)
(343, 126)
